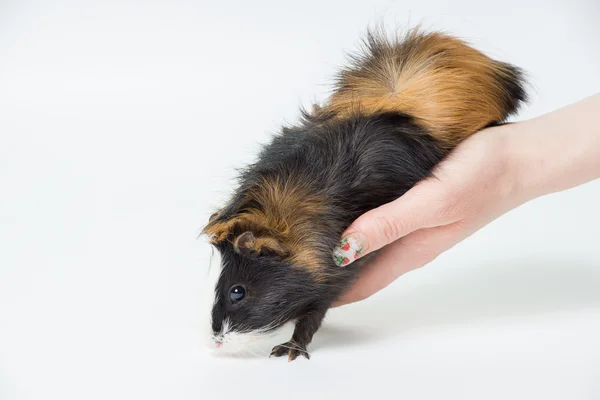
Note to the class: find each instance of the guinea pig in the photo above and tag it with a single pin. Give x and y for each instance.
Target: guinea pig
(399, 107)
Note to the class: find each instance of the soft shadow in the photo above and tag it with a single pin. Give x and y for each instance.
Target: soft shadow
(466, 295)
(332, 336)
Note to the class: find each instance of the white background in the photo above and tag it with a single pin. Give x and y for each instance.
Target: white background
(121, 124)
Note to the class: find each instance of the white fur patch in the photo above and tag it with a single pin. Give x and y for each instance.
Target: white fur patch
(235, 342)
(229, 340)
(251, 342)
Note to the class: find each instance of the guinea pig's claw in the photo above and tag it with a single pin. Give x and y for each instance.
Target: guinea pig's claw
(293, 354)
(293, 350)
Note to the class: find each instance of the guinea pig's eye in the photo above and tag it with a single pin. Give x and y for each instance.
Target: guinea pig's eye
(237, 293)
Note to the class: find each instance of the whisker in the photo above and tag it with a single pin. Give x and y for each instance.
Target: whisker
(249, 349)
(287, 346)
(262, 351)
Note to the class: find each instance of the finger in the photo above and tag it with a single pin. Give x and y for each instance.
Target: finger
(407, 254)
(417, 209)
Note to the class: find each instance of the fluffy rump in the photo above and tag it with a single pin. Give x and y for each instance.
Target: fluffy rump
(450, 88)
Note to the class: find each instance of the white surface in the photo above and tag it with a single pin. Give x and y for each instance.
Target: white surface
(120, 126)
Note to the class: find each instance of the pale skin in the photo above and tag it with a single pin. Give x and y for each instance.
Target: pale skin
(489, 174)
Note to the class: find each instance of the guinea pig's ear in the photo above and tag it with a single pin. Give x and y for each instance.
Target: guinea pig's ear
(251, 246)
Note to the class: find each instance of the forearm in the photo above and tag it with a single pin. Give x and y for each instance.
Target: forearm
(558, 150)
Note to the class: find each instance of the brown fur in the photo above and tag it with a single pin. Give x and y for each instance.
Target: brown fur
(452, 89)
(284, 227)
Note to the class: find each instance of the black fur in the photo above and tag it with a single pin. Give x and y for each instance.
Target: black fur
(514, 89)
(356, 164)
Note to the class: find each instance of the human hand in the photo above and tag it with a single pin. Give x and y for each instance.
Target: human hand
(469, 189)
(489, 174)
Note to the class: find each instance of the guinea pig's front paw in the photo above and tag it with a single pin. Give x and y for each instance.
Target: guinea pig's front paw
(292, 349)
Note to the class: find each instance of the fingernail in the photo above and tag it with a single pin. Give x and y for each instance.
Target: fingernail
(349, 249)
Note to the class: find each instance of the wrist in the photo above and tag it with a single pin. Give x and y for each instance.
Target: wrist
(526, 161)
(555, 151)
(506, 164)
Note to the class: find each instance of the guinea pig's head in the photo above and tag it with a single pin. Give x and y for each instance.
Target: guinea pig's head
(272, 253)
(256, 291)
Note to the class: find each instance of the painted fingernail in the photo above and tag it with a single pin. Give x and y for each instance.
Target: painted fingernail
(349, 249)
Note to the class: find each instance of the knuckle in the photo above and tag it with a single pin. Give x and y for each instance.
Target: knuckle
(427, 252)
(388, 229)
(429, 256)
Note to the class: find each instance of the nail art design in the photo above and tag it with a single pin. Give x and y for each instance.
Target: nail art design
(348, 250)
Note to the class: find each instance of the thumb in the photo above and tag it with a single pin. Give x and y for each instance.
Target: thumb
(386, 224)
